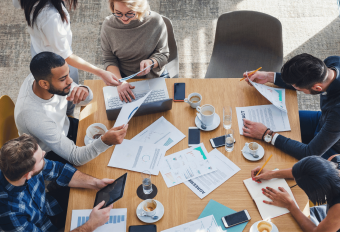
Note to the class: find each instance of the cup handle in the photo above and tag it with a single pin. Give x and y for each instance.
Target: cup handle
(198, 108)
(186, 100)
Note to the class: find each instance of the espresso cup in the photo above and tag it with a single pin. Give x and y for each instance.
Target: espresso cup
(253, 147)
(95, 130)
(264, 226)
(207, 114)
(149, 207)
(194, 100)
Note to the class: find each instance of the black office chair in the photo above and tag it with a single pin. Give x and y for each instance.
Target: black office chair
(245, 41)
(173, 65)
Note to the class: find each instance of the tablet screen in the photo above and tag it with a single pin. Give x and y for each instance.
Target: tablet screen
(112, 192)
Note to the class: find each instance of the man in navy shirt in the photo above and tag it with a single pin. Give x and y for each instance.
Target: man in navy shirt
(24, 204)
(320, 130)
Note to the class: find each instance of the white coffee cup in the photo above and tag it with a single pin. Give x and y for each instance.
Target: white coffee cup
(149, 207)
(263, 226)
(253, 147)
(95, 130)
(194, 100)
(207, 114)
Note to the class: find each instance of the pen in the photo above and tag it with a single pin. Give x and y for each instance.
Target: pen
(250, 74)
(264, 164)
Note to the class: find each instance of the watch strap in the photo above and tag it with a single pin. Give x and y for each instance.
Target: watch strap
(265, 133)
(153, 63)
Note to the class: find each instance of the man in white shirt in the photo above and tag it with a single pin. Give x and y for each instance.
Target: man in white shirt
(41, 112)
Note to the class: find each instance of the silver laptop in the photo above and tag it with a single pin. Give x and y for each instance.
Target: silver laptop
(157, 101)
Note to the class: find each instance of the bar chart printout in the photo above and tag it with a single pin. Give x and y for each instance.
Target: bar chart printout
(116, 222)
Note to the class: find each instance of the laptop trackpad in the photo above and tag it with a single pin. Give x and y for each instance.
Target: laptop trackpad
(141, 86)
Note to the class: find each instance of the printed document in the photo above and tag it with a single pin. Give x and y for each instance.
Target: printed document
(128, 110)
(273, 118)
(276, 96)
(186, 165)
(161, 132)
(137, 156)
(255, 191)
(133, 75)
(206, 224)
(207, 183)
(116, 222)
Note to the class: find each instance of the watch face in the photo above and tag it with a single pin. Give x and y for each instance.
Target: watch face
(267, 138)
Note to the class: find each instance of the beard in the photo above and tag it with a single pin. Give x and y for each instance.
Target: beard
(37, 172)
(63, 92)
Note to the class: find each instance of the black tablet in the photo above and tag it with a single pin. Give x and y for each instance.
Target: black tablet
(144, 228)
(112, 192)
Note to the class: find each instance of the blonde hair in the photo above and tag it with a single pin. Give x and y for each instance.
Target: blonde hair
(141, 7)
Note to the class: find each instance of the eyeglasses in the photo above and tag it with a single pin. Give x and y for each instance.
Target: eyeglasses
(127, 15)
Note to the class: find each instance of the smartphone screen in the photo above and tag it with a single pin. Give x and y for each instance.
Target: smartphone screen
(194, 136)
(236, 218)
(179, 91)
(219, 141)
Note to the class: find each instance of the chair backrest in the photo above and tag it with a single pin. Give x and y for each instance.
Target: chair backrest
(173, 64)
(244, 41)
(8, 129)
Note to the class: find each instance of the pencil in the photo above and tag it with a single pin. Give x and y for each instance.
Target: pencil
(264, 164)
(251, 73)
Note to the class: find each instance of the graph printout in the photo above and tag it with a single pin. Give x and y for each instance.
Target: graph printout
(137, 156)
(116, 222)
(161, 132)
(206, 224)
(185, 165)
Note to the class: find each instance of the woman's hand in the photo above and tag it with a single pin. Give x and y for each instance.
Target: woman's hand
(260, 77)
(109, 78)
(144, 64)
(279, 197)
(264, 175)
(124, 92)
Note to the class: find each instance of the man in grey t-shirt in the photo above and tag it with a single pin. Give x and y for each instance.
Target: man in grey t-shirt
(41, 112)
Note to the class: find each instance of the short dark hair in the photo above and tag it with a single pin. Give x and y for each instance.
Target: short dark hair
(16, 157)
(319, 178)
(42, 64)
(304, 71)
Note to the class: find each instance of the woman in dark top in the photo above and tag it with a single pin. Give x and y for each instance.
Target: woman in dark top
(320, 180)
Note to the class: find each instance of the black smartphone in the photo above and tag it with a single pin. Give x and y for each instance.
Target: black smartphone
(194, 136)
(236, 218)
(143, 228)
(179, 91)
(218, 141)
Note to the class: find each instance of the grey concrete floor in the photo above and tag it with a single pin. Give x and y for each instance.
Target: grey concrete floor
(310, 26)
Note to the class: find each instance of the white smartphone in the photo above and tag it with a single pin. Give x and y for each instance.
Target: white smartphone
(236, 218)
(194, 136)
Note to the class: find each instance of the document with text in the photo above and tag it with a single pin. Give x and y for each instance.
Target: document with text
(269, 115)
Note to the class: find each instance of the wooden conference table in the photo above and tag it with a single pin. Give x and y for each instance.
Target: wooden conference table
(180, 203)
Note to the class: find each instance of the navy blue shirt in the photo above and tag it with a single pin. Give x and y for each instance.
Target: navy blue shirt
(25, 208)
(329, 124)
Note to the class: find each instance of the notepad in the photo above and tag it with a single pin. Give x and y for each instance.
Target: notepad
(255, 190)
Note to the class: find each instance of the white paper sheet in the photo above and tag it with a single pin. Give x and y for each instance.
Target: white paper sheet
(273, 118)
(276, 96)
(161, 132)
(186, 165)
(207, 183)
(206, 224)
(117, 221)
(128, 110)
(133, 75)
(255, 190)
(137, 156)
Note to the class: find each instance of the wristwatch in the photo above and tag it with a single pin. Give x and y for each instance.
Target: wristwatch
(268, 137)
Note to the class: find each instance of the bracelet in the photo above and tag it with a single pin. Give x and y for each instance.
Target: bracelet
(153, 63)
(264, 133)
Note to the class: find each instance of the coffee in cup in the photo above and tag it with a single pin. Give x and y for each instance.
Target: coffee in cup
(264, 226)
(194, 100)
(206, 114)
(95, 130)
(149, 207)
(253, 147)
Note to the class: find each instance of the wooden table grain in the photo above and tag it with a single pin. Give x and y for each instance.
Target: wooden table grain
(180, 203)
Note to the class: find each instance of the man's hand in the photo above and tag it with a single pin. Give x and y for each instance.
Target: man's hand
(253, 129)
(109, 78)
(279, 198)
(260, 77)
(264, 175)
(115, 135)
(78, 94)
(103, 183)
(124, 92)
(143, 64)
(99, 217)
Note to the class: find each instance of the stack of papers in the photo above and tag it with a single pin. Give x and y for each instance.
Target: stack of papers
(255, 190)
(207, 183)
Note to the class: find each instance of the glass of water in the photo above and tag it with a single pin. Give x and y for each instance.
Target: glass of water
(229, 140)
(227, 116)
(146, 182)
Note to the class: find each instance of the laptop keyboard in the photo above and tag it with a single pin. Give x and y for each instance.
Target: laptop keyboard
(155, 95)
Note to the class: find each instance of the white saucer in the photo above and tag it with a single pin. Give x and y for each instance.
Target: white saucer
(253, 228)
(211, 127)
(88, 140)
(159, 213)
(248, 156)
